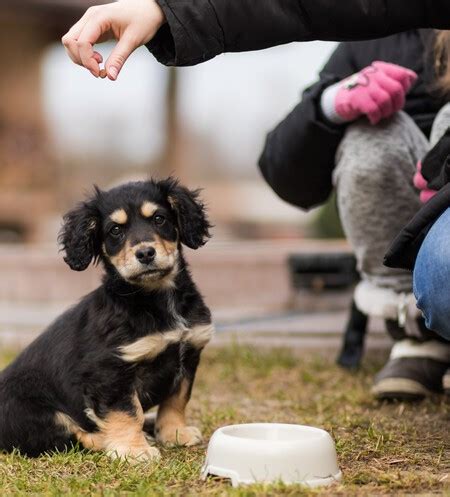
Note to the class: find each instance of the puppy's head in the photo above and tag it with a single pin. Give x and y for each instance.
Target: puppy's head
(136, 229)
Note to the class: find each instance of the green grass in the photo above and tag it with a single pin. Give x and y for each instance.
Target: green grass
(383, 449)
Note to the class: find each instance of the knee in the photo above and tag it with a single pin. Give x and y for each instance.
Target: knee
(375, 158)
(432, 277)
(369, 152)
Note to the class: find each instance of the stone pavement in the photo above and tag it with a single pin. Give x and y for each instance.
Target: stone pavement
(317, 330)
(245, 283)
(20, 324)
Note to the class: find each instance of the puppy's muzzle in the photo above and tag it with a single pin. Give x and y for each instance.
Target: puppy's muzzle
(145, 255)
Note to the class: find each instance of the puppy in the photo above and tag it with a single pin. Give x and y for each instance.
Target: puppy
(131, 344)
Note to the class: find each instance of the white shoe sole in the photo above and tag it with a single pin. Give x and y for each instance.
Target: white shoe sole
(399, 387)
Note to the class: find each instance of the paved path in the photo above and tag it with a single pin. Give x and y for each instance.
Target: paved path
(21, 324)
(245, 283)
(296, 330)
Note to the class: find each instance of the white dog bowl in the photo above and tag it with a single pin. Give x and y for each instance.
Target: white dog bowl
(270, 452)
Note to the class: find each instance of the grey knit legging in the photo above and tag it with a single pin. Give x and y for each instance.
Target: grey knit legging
(376, 197)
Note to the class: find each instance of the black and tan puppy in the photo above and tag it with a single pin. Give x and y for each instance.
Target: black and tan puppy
(131, 344)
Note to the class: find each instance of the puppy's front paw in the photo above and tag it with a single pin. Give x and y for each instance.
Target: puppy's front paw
(136, 454)
(180, 435)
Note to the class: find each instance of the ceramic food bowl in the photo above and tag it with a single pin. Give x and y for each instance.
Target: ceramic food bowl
(271, 452)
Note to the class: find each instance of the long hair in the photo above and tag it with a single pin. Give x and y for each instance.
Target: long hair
(442, 62)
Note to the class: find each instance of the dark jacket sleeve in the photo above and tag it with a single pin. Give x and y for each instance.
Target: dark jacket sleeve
(299, 155)
(404, 249)
(197, 30)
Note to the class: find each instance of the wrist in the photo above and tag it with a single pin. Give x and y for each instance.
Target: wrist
(148, 7)
(328, 104)
(159, 13)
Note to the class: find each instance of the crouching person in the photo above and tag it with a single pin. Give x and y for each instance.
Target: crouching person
(349, 132)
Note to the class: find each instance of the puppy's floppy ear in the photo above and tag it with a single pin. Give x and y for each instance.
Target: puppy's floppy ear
(193, 224)
(80, 234)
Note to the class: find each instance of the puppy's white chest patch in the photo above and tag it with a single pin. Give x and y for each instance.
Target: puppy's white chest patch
(198, 336)
(150, 346)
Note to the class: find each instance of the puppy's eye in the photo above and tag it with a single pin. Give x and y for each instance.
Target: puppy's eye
(159, 220)
(115, 231)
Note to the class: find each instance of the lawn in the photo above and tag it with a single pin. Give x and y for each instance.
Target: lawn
(383, 449)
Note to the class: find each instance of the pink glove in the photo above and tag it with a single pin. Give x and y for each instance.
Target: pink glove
(421, 184)
(378, 91)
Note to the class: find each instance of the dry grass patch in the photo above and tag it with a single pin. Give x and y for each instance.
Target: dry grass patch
(388, 449)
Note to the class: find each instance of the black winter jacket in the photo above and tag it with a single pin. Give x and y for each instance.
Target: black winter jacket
(197, 30)
(299, 155)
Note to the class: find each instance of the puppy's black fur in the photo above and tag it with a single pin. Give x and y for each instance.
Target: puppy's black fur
(131, 344)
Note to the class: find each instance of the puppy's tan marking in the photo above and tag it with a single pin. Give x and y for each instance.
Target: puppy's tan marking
(148, 209)
(127, 264)
(120, 435)
(119, 216)
(66, 422)
(165, 246)
(170, 425)
(92, 441)
(123, 258)
(199, 336)
(150, 346)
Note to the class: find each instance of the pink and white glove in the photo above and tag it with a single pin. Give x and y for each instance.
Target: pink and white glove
(378, 91)
(421, 184)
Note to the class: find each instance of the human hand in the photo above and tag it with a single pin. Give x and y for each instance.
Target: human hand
(378, 91)
(131, 22)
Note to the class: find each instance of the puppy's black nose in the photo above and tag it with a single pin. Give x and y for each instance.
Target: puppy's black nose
(145, 255)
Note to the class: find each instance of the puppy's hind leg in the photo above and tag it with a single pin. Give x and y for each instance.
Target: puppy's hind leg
(121, 434)
(30, 429)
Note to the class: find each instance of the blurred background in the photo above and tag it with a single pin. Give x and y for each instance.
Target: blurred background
(61, 131)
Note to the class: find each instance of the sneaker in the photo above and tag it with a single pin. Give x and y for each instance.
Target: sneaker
(414, 370)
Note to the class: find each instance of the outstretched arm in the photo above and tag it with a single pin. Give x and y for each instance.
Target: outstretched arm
(198, 30)
(180, 32)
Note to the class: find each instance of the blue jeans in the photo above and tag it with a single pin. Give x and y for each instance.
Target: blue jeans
(432, 277)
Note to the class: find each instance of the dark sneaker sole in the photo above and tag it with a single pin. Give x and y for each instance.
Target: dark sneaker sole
(399, 389)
